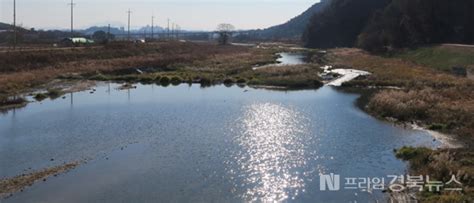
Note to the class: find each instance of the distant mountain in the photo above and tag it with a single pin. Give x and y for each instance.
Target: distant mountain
(118, 31)
(294, 28)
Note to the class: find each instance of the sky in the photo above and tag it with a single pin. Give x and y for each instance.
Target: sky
(188, 14)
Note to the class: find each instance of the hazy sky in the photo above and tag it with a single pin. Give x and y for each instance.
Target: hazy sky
(189, 14)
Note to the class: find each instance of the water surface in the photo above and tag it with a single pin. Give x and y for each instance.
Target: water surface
(189, 144)
(285, 59)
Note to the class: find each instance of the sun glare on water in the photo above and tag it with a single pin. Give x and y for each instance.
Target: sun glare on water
(272, 157)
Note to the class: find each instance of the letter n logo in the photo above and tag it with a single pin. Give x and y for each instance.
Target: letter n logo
(329, 182)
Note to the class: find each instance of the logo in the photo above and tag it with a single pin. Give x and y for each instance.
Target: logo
(330, 182)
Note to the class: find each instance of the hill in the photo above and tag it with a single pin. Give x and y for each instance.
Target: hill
(118, 31)
(6, 26)
(294, 28)
(341, 23)
(383, 25)
(405, 23)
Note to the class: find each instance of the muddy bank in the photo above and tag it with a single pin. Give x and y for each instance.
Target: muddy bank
(9, 186)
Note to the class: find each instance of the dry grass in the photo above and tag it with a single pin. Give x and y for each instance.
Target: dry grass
(441, 165)
(450, 109)
(292, 77)
(29, 72)
(430, 96)
(427, 95)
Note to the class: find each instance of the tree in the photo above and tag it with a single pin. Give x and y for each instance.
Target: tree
(224, 31)
(102, 37)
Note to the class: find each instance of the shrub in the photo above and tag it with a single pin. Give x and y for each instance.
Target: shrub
(409, 153)
(147, 79)
(165, 81)
(55, 93)
(205, 82)
(229, 81)
(176, 80)
(40, 97)
(437, 126)
(241, 81)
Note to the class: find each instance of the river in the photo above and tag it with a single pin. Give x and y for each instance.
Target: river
(187, 143)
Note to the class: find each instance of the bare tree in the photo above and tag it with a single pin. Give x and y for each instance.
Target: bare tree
(224, 31)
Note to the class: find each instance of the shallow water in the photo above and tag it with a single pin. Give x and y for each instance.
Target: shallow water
(192, 144)
(286, 58)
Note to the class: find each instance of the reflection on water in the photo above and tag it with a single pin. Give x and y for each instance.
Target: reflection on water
(273, 149)
(291, 58)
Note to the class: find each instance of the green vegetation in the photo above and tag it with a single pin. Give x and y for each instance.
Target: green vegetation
(229, 81)
(205, 82)
(176, 80)
(411, 153)
(165, 81)
(440, 57)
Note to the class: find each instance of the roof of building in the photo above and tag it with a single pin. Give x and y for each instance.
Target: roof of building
(79, 40)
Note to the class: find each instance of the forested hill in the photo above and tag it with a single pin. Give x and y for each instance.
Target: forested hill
(294, 28)
(340, 23)
(409, 23)
(381, 25)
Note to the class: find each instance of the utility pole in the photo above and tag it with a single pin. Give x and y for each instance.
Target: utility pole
(168, 30)
(14, 24)
(108, 33)
(128, 33)
(177, 31)
(172, 30)
(72, 17)
(152, 26)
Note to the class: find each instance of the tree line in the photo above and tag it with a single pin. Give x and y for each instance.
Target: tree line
(382, 25)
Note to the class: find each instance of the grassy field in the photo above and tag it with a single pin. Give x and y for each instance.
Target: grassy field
(440, 57)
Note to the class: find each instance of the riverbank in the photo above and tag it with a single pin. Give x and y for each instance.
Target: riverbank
(161, 63)
(403, 91)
